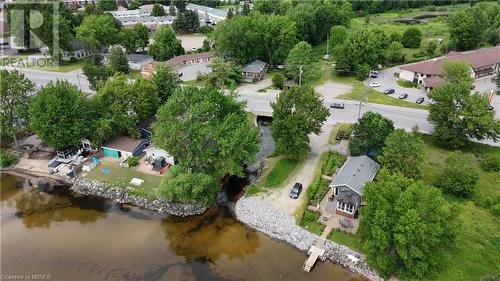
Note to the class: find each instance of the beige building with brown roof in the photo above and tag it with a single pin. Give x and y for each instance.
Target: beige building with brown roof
(483, 62)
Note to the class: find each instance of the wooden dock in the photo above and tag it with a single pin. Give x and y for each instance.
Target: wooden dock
(314, 253)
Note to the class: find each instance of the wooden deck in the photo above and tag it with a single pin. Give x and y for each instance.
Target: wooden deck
(314, 254)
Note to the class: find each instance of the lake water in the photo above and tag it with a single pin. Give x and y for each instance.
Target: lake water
(74, 237)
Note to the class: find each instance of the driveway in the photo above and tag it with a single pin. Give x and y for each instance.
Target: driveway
(191, 72)
(255, 87)
(387, 80)
(304, 174)
(330, 90)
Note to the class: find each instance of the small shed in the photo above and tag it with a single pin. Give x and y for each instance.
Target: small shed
(153, 153)
(124, 147)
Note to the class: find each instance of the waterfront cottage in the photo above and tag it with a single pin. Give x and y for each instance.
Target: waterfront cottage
(348, 185)
(123, 147)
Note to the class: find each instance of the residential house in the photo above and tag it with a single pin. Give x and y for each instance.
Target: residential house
(483, 62)
(254, 71)
(123, 147)
(178, 62)
(137, 61)
(79, 52)
(348, 185)
(208, 14)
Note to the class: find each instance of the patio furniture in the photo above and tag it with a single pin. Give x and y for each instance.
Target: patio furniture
(345, 223)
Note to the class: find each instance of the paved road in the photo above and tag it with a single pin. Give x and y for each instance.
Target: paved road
(402, 117)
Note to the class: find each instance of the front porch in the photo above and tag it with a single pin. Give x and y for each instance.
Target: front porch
(331, 218)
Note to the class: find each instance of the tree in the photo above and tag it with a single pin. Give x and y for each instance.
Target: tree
(265, 6)
(412, 37)
(187, 21)
(230, 13)
(124, 105)
(278, 35)
(109, 5)
(207, 131)
(224, 73)
(406, 225)
(60, 114)
(195, 188)
(395, 37)
(465, 34)
(97, 31)
(171, 9)
(92, 9)
(165, 45)
(328, 14)
(459, 176)
(134, 38)
(166, 81)
(118, 61)
(297, 112)
(96, 73)
(458, 115)
(300, 57)
(279, 81)
(181, 5)
(456, 72)
(403, 152)
(431, 48)
(338, 35)
(157, 10)
(395, 52)
(245, 11)
(14, 96)
(369, 133)
(303, 17)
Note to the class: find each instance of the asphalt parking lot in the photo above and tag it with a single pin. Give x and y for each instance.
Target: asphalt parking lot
(190, 72)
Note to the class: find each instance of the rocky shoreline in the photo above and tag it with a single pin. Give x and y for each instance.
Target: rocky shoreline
(263, 217)
(86, 186)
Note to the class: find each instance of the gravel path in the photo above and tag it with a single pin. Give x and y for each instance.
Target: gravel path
(330, 90)
(262, 216)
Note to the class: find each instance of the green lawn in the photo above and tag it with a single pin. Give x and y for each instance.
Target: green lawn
(63, 66)
(121, 177)
(314, 227)
(280, 172)
(347, 239)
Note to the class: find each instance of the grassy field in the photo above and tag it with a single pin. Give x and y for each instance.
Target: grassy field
(314, 227)
(276, 173)
(121, 177)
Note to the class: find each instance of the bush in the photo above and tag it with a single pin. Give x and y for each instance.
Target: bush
(279, 80)
(495, 210)
(407, 84)
(7, 159)
(412, 37)
(332, 161)
(459, 176)
(491, 163)
(310, 216)
(362, 71)
(132, 161)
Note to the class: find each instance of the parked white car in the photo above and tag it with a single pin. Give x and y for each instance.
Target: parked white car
(374, 84)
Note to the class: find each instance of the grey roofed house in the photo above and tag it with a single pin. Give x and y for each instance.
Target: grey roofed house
(355, 172)
(254, 71)
(348, 185)
(255, 66)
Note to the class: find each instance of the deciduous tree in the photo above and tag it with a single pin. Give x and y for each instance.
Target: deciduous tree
(369, 133)
(118, 61)
(406, 225)
(207, 131)
(403, 152)
(187, 21)
(297, 112)
(459, 176)
(134, 38)
(224, 74)
(166, 81)
(97, 31)
(412, 37)
(96, 72)
(166, 45)
(338, 35)
(109, 5)
(395, 52)
(300, 57)
(60, 114)
(14, 96)
(458, 115)
(278, 80)
(456, 72)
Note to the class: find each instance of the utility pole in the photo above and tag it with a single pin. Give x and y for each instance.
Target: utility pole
(364, 97)
(300, 74)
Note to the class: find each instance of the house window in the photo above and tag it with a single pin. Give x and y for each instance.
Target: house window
(336, 191)
(346, 207)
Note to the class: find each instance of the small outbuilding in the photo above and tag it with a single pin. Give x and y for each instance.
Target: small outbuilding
(137, 61)
(123, 147)
(254, 71)
(153, 153)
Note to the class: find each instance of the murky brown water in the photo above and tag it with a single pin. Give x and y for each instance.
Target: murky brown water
(82, 238)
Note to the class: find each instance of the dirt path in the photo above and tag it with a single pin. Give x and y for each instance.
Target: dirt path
(330, 90)
(304, 174)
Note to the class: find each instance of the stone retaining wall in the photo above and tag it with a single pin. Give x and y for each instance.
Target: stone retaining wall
(263, 217)
(88, 186)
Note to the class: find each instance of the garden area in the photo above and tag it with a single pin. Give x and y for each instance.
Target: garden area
(118, 176)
